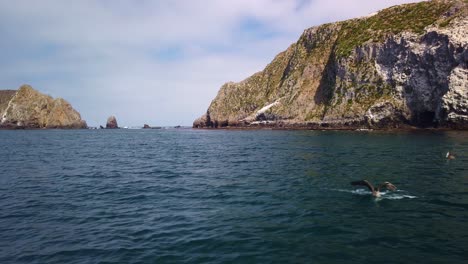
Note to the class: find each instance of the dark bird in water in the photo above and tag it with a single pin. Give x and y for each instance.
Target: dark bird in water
(375, 192)
(450, 155)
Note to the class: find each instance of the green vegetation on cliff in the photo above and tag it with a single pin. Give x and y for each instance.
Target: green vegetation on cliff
(394, 20)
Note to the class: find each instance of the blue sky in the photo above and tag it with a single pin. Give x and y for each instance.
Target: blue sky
(154, 62)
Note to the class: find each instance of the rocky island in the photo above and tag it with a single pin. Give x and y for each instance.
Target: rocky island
(402, 67)
(29, 109)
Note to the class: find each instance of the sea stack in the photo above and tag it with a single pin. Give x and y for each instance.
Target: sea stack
(27, 108)
(402, 67)
(112, 123)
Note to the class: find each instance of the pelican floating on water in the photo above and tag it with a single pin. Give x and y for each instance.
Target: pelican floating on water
(450, 155)
(375, 192)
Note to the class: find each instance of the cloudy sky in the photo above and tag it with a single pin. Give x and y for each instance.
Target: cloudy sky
(151, 61)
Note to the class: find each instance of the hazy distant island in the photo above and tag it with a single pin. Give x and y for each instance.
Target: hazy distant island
(402, 67)
(27, 108)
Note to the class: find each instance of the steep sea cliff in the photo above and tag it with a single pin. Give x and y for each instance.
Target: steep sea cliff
(405, 66)
(28, 108)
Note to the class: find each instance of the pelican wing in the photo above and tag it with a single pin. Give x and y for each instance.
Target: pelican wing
(388, 185)
(364, 183)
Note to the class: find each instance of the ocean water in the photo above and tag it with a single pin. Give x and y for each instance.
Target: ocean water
(203, 196)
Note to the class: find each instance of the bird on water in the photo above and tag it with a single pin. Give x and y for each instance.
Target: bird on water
(450, 155)
(375, 191)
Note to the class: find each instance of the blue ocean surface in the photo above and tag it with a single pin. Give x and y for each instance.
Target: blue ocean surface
(220, 196)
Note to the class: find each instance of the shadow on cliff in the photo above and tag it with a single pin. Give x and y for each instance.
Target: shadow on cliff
(326, 88)
(428, 81)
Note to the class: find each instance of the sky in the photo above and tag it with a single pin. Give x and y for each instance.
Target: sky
(151, 61)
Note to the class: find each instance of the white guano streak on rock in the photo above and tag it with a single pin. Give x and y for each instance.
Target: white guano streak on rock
(265, 108)
(4, 117)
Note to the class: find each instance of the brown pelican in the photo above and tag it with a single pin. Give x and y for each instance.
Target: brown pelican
(375, 192)
(450, 155)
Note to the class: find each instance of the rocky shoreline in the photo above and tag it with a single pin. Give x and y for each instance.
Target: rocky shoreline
(348, 126)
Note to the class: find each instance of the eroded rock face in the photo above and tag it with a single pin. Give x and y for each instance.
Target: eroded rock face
(383, 71)
(28, 108)
(112, 123)
(385, 115)
(203, 121)
(455, 101)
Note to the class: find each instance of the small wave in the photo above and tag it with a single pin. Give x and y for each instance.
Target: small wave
(397, 195)
(358, 191)
(361, 192)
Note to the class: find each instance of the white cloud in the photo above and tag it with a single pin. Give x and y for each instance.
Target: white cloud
(157, 62)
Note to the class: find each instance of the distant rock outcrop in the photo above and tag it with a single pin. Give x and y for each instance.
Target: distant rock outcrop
(28, 108)
(405, 66)
(146, 126)
(112, 123)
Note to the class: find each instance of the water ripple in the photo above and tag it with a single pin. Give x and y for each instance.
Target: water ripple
(230, 196)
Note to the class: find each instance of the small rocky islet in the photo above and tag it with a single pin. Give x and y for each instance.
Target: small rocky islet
(112, 123)
(402, 67)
